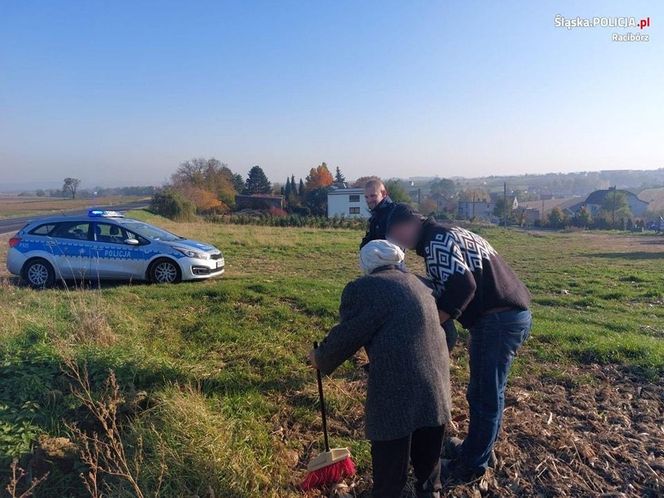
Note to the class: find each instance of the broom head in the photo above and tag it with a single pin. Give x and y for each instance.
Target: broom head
(329, 467)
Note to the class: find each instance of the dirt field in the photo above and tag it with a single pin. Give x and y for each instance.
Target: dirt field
(13, 206)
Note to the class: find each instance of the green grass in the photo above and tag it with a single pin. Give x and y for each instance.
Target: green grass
(230, 404)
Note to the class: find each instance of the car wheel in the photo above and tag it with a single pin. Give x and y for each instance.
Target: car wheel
(39, 274)
(165, 271)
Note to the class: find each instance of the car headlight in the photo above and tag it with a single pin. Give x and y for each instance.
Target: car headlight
(190, 253)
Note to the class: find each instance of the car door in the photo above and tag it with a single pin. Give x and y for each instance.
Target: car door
(112, 256)
(69, 243)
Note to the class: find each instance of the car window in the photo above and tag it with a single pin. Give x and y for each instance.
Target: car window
(45, 229)
(151, 232)
(110, 234)
(141, 240)
(71, 230)
(114, 234)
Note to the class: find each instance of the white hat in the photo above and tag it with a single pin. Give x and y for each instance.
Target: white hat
(379, 253)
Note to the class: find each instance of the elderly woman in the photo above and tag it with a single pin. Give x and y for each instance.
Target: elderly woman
(393, 315)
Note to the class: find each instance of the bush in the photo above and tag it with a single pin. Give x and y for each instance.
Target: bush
(173, 205)
(278, 212)
(287, 220)
(205, 201)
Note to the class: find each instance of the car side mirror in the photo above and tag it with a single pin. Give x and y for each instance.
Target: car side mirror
(132, 242)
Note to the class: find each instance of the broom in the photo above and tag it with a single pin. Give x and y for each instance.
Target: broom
(334, 464)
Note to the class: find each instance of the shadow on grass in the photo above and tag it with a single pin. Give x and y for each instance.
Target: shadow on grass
(629, 255)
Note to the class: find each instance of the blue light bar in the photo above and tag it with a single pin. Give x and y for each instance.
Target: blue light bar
(103, 213)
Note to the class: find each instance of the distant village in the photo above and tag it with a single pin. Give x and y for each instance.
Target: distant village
(602, 208)
(625, 199)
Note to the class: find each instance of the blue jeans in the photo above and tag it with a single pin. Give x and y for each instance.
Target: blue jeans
(494, 340)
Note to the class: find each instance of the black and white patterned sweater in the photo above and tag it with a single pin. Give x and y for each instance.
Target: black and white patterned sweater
(469, 275)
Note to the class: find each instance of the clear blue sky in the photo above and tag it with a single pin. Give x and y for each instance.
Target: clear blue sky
(119, 92)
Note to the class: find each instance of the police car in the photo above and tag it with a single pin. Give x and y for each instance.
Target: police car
(104, 245)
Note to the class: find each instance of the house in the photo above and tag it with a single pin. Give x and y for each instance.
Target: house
(347, 203)
(261, 202)
(596, 200)
(527, 216)
(543, 207)
(444, 204)
(482, 209)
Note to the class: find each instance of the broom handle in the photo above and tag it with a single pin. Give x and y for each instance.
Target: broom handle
(322, 405)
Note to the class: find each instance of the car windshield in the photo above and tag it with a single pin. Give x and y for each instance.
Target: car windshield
(150, 232)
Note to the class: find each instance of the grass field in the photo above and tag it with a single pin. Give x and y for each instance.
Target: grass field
(14, 206)
(216, 399)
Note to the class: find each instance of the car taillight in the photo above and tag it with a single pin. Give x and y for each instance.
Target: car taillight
(14, 241)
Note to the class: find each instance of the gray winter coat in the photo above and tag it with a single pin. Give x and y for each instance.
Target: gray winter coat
(394, 316)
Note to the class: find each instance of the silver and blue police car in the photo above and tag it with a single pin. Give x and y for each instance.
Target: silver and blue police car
(104, 245)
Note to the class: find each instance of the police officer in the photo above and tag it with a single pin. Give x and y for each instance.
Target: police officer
(381, 206)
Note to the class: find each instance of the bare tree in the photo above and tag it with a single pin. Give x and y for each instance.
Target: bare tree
(71, 185)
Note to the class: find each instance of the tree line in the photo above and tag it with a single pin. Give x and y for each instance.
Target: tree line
(71, 189)
(209, 187)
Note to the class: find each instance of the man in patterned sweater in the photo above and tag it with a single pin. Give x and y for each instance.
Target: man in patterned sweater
(478, 288)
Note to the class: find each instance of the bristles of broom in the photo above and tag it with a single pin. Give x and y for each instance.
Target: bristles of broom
(330, 474)
(332, 466)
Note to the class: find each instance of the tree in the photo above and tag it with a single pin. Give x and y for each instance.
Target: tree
(208, 174)
(300, 191)
(443, 186)
(583, 218)
(500, 209)
(475, 195)
(71, 185)
(397, 192)
(204, 200)
(362, 181)
(557, 218)
(257, 182)
(316, 201)
(615, 207)
(339, 178)
(172, 204)
(319, 177)
(428, 206)
(290, 193)
(287, 188)
(40, 193)
(238, 182)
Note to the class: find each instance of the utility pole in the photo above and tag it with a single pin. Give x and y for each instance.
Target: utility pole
(505, 206)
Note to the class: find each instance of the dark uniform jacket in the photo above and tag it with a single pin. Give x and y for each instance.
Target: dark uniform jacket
(393, 315)
(378, 222)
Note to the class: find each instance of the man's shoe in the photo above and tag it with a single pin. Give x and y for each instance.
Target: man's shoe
(452, 448)
(452, 451)
(427, 494)
(454, 470)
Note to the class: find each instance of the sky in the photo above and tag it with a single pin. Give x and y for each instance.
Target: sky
(119, 93)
